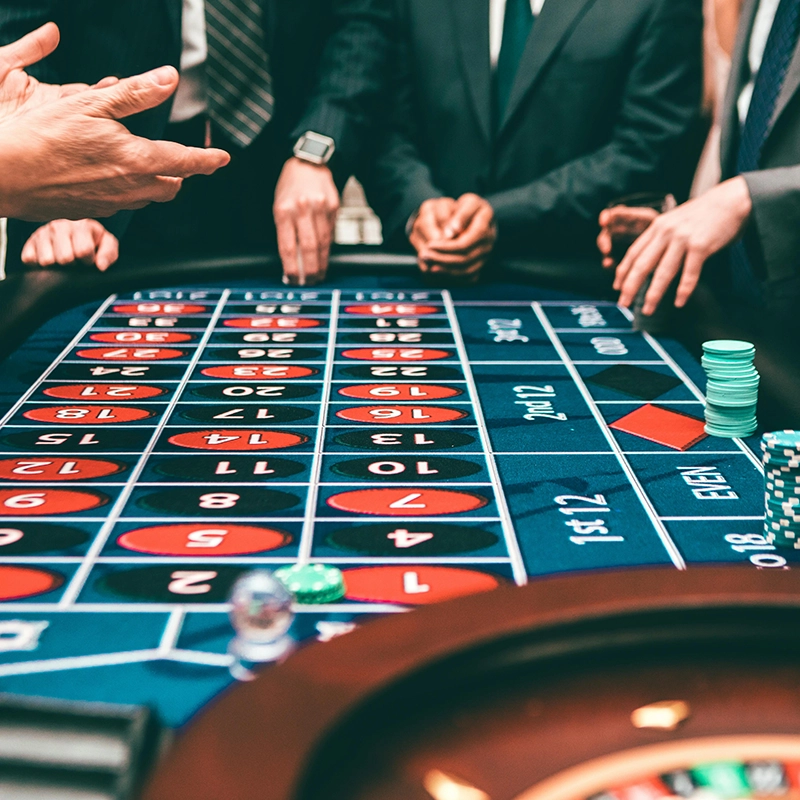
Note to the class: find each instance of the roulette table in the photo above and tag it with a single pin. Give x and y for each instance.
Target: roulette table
(515, 456)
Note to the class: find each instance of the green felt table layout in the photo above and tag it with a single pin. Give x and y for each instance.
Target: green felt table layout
(429, 443)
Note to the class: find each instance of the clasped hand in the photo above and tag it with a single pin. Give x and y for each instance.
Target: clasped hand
(454, 238)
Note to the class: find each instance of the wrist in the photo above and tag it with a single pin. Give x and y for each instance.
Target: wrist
(740, 194)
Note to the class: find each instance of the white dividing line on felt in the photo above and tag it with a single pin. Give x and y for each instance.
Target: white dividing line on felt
(660, 528)
(58, 360)
(518, 568)
(693, 388)
(307, 535)
(81, 575)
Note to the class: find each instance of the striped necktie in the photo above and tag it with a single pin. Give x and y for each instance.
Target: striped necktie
(240, 99)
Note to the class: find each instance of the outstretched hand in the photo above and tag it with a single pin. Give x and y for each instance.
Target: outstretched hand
(64, 154)
(681, 241)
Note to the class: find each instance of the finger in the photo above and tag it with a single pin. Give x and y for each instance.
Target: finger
(480, 228)
(631, 255)
(479, 250)
(667, 269)
(444, 209)
(30, 253)
(133, 95)
(61, 237)
(105, 82)
(468, 205)
(175, 160)
(29, 49)
(644, 265)
(692, 269)
(107, 251)
(604, 242)
(426, 226)
(147, 189)
(287, 247)
(324, 226)
(308, 246)
(44, 246)
(85, 238)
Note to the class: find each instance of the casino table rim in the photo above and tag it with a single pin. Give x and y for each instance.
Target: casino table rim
(292, 708)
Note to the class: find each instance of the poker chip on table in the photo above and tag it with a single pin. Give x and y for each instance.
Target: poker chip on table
(312, 584)
(781, 456)
(732, 389)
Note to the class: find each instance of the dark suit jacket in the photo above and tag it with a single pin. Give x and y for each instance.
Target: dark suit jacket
(774, 236)
(606, 94)
(327, 59)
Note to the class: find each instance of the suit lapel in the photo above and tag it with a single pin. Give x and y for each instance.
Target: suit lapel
(471, 24)
(738, 75)
(553, 24)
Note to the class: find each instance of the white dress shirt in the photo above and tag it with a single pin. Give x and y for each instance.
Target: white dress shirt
(191, 97)
(762, 25)
(497, 15)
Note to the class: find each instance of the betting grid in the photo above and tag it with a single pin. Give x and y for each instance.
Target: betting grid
(540, 362)
(181, 367)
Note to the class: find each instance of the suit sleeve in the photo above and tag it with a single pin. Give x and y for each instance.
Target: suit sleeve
(352, 82)
(659, 109)
(776, 210)
(396, 178)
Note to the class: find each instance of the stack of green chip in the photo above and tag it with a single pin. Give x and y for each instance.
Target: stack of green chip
(312, 584)
(782, 482)
(732, 390)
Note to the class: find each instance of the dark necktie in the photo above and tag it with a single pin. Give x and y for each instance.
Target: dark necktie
(769, 81)
(240, 99)
(516, 27)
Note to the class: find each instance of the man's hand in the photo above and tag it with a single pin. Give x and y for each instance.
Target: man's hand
(620, 227)
(65, 241)
(454, 238)
(62, 152)
(306, 203)
(683, 239)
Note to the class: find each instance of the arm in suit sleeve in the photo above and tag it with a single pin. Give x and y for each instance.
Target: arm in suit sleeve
(775, 194)
(353, 77)
(659, 107)
(396, 178)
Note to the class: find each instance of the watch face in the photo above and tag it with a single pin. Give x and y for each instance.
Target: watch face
(313, 148)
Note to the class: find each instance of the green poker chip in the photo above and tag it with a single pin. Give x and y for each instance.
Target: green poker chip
(312, 584)
(729, 348)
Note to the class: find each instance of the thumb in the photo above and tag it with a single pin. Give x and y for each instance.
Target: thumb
(132, 95)
(468, 206)
(29, 49)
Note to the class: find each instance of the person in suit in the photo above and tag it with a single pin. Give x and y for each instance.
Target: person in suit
(62, 150)
(754, 211)
(287, 87)
(519, 120)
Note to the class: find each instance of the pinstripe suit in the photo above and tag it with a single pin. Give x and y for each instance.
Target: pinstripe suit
(327, 60)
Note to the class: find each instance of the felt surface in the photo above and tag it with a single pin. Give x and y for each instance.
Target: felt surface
(565, 442)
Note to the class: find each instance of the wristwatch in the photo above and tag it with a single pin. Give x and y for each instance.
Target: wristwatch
(314, 148)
